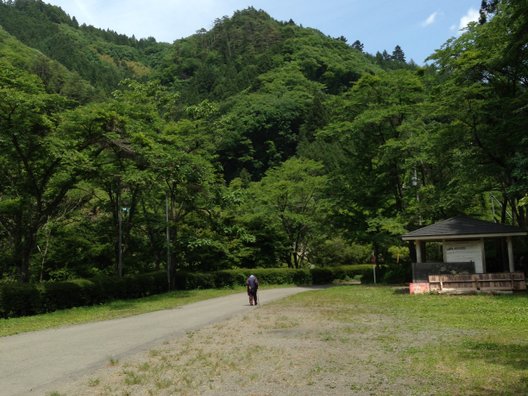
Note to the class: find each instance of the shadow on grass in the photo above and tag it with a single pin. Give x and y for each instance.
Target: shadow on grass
(517, 295)
(512, 355)
(401, 290)
(519, 388)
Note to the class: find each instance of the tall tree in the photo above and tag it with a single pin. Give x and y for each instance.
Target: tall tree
(43, 158)
(292, 197)
(483, 86)
(358, 45)
(365, 150)
(398, 54)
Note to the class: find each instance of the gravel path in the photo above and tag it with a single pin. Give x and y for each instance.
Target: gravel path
(33, 363)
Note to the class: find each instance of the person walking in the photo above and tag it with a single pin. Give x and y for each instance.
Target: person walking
(252, 287)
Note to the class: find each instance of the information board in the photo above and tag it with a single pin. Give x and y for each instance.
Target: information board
(463, 251)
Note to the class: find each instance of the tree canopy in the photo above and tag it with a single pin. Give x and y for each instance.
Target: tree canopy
(256, 143)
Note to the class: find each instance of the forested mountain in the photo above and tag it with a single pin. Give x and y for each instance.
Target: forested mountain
(231, 57)
(56, 77)
(101, 57)
(255, 143)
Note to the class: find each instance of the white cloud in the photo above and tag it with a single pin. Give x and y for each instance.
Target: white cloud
(471, 16)
(166, 20)
(430, 19)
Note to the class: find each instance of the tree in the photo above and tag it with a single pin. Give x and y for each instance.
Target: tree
(291, 196)
(483, 95)
(398, 55)
(188, 180)
(366, 152)
(358, 45)
(43, 158)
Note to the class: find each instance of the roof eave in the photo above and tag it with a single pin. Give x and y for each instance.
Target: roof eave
(461, 236)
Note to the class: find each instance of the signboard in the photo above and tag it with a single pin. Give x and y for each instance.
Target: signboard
(419, 288)
(464, 251)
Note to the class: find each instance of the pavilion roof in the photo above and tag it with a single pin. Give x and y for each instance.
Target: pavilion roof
(463, 227)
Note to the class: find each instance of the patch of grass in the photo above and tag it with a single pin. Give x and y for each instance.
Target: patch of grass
(112, 310)
(163, 383)
(154, 353)
(144, 367)
(93, 382)
(284, 322)
(133, 378)
(434, 344)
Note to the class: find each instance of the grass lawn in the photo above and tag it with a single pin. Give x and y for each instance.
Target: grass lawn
(112, 310)
(425, 344)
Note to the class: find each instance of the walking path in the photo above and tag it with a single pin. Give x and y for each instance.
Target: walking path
(32, 363)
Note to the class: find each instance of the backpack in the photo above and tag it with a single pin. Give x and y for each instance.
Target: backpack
(252, 283)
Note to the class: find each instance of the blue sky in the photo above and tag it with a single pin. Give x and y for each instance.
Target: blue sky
(418, 26)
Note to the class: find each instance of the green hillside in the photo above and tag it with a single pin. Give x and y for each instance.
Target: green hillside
(101, 57)
(269, 80)
(56, 77)
(229, 58)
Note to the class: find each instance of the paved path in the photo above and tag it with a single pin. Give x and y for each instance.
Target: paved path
(32, 363)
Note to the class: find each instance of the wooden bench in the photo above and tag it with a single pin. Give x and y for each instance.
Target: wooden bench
(503, 281)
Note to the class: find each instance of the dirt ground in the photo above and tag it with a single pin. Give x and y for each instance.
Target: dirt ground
(283, 348)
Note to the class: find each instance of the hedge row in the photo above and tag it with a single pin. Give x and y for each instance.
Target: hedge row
(21, 299)
(274, 276)
(17, 299)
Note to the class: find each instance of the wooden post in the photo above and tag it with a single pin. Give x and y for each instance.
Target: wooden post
(510, 253)
(483, 255)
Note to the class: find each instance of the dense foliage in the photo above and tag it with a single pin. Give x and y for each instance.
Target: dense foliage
(257, 143)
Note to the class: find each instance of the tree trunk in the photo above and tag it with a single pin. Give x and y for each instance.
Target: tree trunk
(295, 256)
(24, 247)
(173, 219)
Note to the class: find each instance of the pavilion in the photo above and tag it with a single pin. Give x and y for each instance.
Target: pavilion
(463, 247)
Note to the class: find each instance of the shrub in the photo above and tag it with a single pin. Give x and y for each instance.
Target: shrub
(61, 295)
(90, 291)
(106, 286)
(229, 278)
(302, 277)
(367, 275)
(18, 299)
(193, 280)
(153, 282)
(132, 287)
(112, 288)
(397, 273)
(321, 276)
(276, 276)
(329, 274)
(338, 251)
